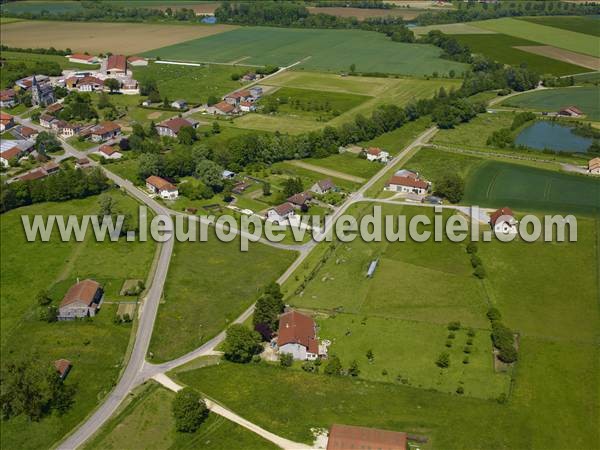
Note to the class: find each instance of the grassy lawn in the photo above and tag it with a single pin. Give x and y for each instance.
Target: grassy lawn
(586, 98)
(310, 177)
(348, 163)
(474, 134)
(209, 285)
(149, 417)
(194, 84)
(329, 50)
(274, 123)
(500, 47)
(395, 141)
(81, 145)
(569, 40)
(96, 364)
(30, 58)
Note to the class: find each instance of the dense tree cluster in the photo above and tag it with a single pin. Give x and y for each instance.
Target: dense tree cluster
(452, 48)
(502, 337)
(365, 4)
(504, 137)
(189, 410)
(78, 106)
(15, 70)
(450, 186)
(37, 51)
(241, 344)
(267, 310)
(65, 185)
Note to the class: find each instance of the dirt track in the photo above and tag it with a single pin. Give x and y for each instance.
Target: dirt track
(331, 173)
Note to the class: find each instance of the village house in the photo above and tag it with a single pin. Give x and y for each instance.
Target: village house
(256, 92)
(405, 181)
(503, 221)
(27, 132)
(237, 97)
(104, 131)
(280, 213)
(179, 104)
(6, 121)
(46, 120)
(68, 130)
(247, 107)
(227, 174)
(85, 84)
(346, 437)
(81, 58)
(13, 153)
(221, 108)
(301, 199)
(116, 65)
(82, 163)
(594, 166)
(82, 300)
(322, 186)
(162, 187)
(27, 82)
(570, 111)
(297, 335)
(62, 366)
(51, 167)
(33, 175)
(109, 152)
(54, 108)
(376, 154)
(137, 61)
(13, 149)
(172, 126)
(8, 98)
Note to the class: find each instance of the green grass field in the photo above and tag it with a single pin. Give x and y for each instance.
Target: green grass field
(586, 25)
(500, 48)
(585, 98)
(348, 163)
(57, 265)
(569, 40)
(474, 134)
(321, 50)
(209, 285)
(194, 84)
(148, 416)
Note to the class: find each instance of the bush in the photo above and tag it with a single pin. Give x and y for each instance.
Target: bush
(353, 370)
(467, 349)
(480, 272)
(334, 366)
(286, 359)
(453, 326)
(309, 366)
(508, 355)
(502, 398)
(241, 344)
(451, 335)
(469, 341)
(475, 261)
(472, 247)
(493, 314)
(189, 410)
(466, 360)
(460, 390)
(443, 360)
(448, 343)
(471, 332)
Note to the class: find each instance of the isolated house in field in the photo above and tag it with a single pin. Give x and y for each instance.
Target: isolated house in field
(376, 154)
(280, 213)
(297, 335)
(6, 121)
(116, 65)
(346, 437)
(407, 184)
(322, 186)
(82, 300)
(503, 221)
(301, 199)
(109, 152)
(105, 131)
(162, 187)
(594, 166)
(570, 111)
(63, 367)
(171, 127)
(81, 58)
(179, 104)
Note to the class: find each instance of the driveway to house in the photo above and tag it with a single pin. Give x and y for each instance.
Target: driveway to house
(325, 171)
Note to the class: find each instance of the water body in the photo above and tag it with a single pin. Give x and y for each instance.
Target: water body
(550, 135)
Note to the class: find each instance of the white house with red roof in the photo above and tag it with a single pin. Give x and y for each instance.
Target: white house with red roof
(109, 152)
(6, 121)
(137, 61)
(104, 131)
(297, 336)
(571, 111)
(81, 58)
(172, 126)
(247, 106)
(280, 213)
(503, 221)
(162, 187)
(116, 64)
(407, 182)
(376, 154)
(221, 108)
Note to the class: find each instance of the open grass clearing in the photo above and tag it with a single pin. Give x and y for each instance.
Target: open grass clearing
(349, 163)
(586, 25)
(102, 37)
(148, 416)
(326, 172)
(209, 285)
(58, 265)
(569, 40)
(321, 50)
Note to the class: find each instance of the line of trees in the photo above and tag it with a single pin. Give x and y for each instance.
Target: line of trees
(37, 51)
(363, 4)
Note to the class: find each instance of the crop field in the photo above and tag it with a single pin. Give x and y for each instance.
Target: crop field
(585, 98)
(194, 84)
(569, 40)
(364, 13)
(586, 25)
(201, 299)
(96, 365)
(148, 417)
(321, 50)
(561, 54)
(501, 47)
(452, 28)
(497, 184)
(98, 37)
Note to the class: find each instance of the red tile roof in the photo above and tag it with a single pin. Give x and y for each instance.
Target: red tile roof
(62, 367)
(27, 132)
(135, 58)
(225, 107)
(572, 109)
(81, 56)
(347, 437)
(300, 198)
(5, 117)
(33, 175)
(284, 209)
(82, 292)
(506, 211)
(160, 183)
(408, 181)
(12, 152)
(105, 127)
(7, 94)
(108, 150)
(374, 151)
(297, 328)
(176, 124)
(118, 62)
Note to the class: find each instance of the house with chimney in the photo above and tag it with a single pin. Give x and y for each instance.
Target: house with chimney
(82, 300)
(297, 336)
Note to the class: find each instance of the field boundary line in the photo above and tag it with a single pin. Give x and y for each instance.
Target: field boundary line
(326, 171)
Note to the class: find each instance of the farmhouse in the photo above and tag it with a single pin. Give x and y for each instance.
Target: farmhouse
(116, 64)
(407, 184)
(280, 213)
(7, 155)
(67, 130)
(81, 58)
(570, 111)
(342, 437)
(104, 131)
(247, 107)
(27, 132)
(376, 154)
(85, 84)
(82, 300)
(8, 98)
(51, 167)
(109, 152)
(301, 199)
(171, 127)
(63, 366)
(322, 186)
(256, 91)
(162, 187)
(6, 121)
(237, 97)
(137, 61)
(594, 166)
(221, 108)
(32, 175)
(179, 104)
(297, 335)
(503, 221)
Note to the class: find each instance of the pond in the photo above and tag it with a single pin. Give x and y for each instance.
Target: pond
(550, 135)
